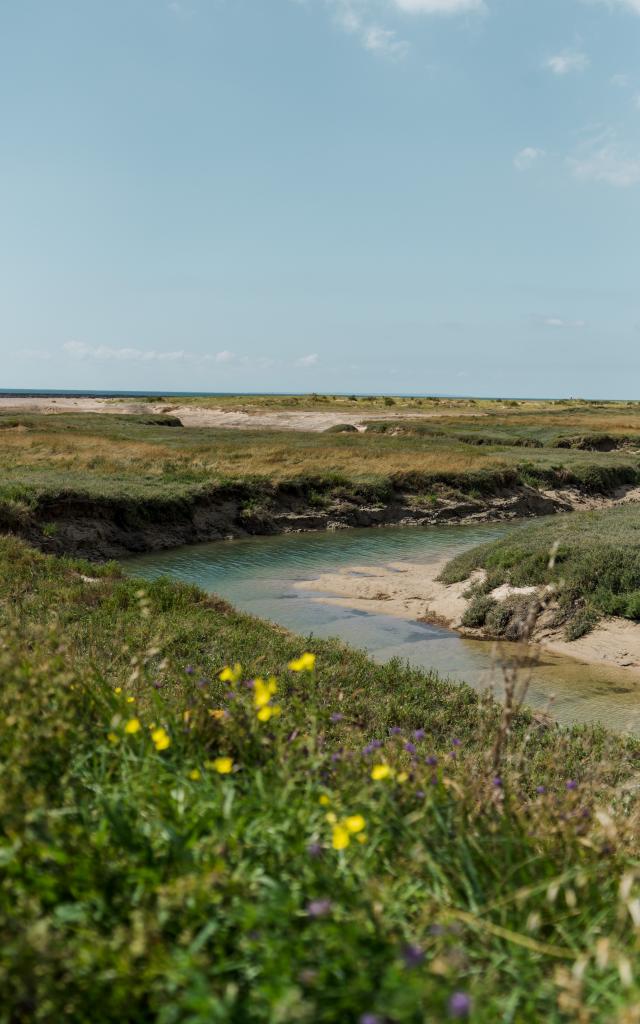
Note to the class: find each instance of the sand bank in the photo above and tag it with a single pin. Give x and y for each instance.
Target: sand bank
(234, 419)
(412, 591)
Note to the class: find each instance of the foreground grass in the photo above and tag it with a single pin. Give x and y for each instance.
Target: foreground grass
(591, 558)
(366, 857)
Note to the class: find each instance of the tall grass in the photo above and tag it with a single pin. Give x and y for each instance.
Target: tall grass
(170, 852)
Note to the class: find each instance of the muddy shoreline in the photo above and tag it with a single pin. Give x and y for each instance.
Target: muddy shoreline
(102, 528)
(413, 591)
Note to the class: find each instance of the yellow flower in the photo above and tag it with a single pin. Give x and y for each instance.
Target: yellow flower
(380, 771)
(161, 739)
(355, 823)
(111, 736)
(264, 714)
(130, 700)
(194, 775)
(340, 837)
(132, 726)
(217, 713)
(330, 817)
(362, 837)
(118, 690)
(324, 800)
(222, 765)
(231, 675)
(264, 691)
(402, 776)
(305, 663)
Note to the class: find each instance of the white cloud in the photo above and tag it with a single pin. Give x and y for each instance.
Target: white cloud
(310, 360)
(224, 357)
(608, 162)
(361, 19)
(566, 62)
(556, 321)
(80, 350)
(384, 42)
(620, 81)
(631, 5)
(439, 6)
(527, 157)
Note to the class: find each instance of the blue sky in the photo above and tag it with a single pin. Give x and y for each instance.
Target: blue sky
(429, 196)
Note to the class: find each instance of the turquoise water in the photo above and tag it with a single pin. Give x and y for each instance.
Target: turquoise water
(262, 575)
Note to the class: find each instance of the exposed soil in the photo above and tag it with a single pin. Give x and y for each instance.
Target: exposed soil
(103, 528)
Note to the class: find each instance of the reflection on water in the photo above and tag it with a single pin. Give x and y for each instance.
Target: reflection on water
(258, 576)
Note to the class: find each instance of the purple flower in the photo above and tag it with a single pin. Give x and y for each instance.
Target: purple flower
(434, 780)
(370, 747)
(541, 789)
(202, 683)
(410, 748)
(314, 850)
(431, 761)
(369, 1018)
(395, 730)
(336, 757)
(336, 716)
(572, 784)
(420, 794)
(157, 685)
(189, 670)
(419, 734)
(459, 1005)
(412, 956)
(453, 754)
(319, 908)
(497, 781)
(456, 742)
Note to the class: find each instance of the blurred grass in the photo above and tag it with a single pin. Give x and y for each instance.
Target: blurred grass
(141, 885)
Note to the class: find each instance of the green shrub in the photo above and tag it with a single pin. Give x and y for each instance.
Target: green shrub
(476, 612)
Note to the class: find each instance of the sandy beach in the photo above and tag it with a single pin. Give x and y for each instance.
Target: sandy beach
(195, 416)
(412, 591)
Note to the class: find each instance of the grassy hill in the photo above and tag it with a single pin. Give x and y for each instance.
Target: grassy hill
(347, 843)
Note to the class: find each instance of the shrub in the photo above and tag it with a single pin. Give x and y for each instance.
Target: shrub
(476, 613)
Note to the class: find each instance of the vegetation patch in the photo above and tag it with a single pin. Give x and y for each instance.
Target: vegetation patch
(204, 818)
(592, 559)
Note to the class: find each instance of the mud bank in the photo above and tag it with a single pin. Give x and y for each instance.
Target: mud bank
(105, 527)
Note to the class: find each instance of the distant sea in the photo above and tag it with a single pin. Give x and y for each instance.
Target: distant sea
(60, 393)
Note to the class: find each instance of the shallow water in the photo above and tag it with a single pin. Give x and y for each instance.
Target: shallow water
(258, 576)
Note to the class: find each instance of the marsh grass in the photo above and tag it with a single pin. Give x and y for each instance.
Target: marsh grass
(141, 884)
(595, 570)
(128, 456)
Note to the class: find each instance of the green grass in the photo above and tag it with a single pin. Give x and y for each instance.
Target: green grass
(595, 565)
(116, 456)
(142, 885)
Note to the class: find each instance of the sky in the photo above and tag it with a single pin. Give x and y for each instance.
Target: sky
(400, 196)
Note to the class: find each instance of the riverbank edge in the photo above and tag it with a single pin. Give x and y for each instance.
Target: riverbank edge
(99, 528)
(413, 591)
